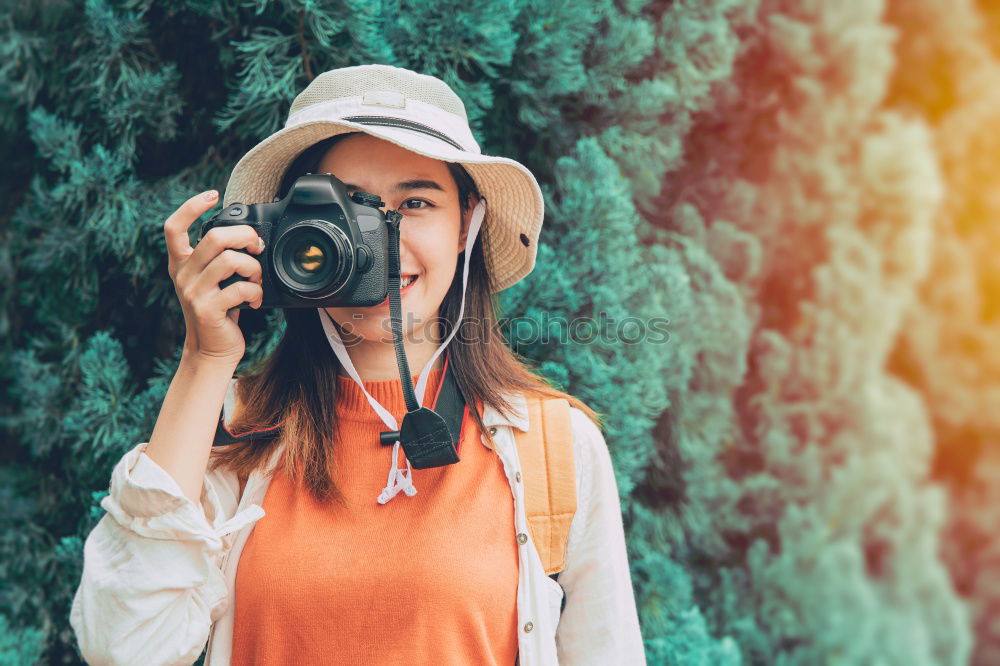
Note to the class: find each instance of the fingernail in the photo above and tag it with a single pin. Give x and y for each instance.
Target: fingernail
(211, 195)
(260, 244)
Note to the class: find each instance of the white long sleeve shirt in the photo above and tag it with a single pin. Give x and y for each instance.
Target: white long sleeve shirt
(159, 571)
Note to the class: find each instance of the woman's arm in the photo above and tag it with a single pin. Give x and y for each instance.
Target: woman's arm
(184, 430)
(600, 624)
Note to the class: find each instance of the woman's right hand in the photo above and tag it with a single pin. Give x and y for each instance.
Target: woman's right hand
(212, 331)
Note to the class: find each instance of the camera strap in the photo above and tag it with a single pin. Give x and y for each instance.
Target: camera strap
(425, 436)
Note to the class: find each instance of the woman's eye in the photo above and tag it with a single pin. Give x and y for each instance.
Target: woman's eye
(409, 204)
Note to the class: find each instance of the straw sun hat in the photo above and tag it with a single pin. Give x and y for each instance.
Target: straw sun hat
(419, 113)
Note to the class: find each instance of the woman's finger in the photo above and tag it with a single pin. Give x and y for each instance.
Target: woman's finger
(175, 229)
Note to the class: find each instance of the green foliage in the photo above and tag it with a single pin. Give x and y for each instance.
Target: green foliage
(20, 648)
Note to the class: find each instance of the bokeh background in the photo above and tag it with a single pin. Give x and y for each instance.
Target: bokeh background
(809, 190)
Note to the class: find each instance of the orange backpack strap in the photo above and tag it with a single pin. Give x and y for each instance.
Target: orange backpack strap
(546, 455)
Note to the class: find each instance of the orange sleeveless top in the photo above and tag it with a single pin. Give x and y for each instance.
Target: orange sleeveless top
(428, 580)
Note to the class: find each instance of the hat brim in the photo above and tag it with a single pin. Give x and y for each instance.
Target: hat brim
(514, 204)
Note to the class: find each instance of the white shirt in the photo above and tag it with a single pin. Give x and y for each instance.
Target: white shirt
(159, 571)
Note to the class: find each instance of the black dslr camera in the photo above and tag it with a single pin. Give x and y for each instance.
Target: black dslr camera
(322, 247)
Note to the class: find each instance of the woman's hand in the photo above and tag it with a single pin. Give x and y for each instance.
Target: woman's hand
(211, 314)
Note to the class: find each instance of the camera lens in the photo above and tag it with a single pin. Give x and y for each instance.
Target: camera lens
(313, 259)
(309, 258)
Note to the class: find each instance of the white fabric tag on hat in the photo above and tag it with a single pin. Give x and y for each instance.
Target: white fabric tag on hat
(389, 98)
(400, 479)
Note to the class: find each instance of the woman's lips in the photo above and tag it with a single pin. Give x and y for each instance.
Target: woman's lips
(401, 293)
(407, 287)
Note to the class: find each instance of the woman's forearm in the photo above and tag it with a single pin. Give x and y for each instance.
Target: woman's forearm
(185, 428)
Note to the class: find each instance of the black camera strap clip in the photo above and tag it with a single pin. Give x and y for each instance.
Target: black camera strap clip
(430, 436)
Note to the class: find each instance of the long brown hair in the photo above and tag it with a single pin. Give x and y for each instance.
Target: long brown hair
(297, 382)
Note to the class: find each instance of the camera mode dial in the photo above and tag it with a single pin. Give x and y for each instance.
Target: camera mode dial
(366, 199)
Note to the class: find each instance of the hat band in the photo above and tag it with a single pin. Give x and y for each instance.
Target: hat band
(429, 116)
(384, 121)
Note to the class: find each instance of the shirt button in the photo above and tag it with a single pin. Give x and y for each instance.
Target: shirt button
(522, 538)
(493, 430)
(517, 477)
(528, 627)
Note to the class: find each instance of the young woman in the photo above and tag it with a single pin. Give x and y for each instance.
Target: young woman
(336, 564)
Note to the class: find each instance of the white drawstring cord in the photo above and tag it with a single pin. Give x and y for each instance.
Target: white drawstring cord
(397, 479)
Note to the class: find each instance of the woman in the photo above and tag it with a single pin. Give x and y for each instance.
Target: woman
(342, 569)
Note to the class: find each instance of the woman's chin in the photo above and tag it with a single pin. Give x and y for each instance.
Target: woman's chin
(372, 324)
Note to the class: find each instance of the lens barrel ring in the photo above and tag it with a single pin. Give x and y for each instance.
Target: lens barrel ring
(327, 245)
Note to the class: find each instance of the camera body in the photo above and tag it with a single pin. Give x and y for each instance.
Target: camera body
(322, 246)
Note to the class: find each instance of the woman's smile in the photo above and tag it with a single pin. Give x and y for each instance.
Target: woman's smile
(408, 281)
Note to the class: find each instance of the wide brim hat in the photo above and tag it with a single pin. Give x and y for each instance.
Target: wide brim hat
(417, 112)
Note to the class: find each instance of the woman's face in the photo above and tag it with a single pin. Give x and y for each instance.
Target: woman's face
(432, 232)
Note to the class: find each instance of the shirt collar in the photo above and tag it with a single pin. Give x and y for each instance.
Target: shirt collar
(518, 417)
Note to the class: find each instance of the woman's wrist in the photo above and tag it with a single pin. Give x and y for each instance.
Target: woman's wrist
(192, 360)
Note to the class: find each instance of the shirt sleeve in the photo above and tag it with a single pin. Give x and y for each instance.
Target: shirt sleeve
(152, 582)
(600, 623)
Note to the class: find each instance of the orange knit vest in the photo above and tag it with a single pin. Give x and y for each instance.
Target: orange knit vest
(428, 580)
